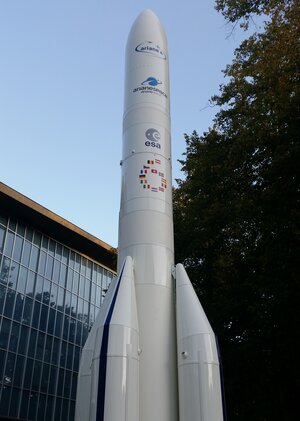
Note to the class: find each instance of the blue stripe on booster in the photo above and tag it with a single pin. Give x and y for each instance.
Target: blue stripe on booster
(103, 355)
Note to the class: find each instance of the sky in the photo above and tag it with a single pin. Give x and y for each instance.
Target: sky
(61, 96)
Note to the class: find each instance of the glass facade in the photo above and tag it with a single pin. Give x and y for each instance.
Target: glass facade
(49, 298)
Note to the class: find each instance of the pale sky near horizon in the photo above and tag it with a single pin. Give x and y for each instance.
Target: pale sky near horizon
(61, 96)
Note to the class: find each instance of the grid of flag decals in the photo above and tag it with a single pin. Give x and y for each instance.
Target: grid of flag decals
(151, 177)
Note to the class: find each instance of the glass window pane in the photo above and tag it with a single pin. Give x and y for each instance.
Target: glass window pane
(34, 258)
(63, 275)
(74, 305)
(51, 321)
(14, 402)
(4, 270)
(2, 235)
(60, 384)
(21, 229)
(72, 330)
(30, 283)
(67, 385)
(51, 247)
(49, 267)
(89, 270)
(36, 376)
(58, 324)
(29, 233)
(58, 409)
(9, 242)
(81, 287)
(65, 255)
(5, 398)
(14, 337)
(42, 263)
(52, 380)
(12, 224)
(28, 373)
(39, 287)
(32, 405)
(9, 303)
(2, 297)
(75, 282)
(71, 259)
(19, 304)
(72, 411)
(24, 404)
(2, 361)
(19, 370)
(77, 262)
(56, 271)
(24, 333)
(70, 351)
(18, 248)
(65, 409)
(67, 302)
(26, 253)
(48, 349)
(13, 275)
(37, 238)
(22, 279)
(9, 368)
(4, 333)
(40, 346)
(60, 299)
(45, 378)
(36, 314)
(74, 386)
(49, 409)
(41, 407)
(63, 354)
(32, 343)
(58, 253)
(69, 279)
(27, 310)
(54, 289)
(66, 327)
(80, 308)
(44, 317)
(76, 358)
(46, 292)
(55, 351)
(45, 243)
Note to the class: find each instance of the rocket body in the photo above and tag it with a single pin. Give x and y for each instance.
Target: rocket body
(149, 356)
(146, 221)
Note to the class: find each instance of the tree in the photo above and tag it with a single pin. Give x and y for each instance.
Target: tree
(237, 216)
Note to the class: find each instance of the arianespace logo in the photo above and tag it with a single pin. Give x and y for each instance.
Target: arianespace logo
(148, 47)
(149, 86)
(151, 81)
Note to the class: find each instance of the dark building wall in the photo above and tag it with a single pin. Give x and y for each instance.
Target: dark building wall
(49, 297)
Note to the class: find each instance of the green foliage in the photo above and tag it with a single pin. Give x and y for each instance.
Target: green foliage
(237, 219)
(237, 10)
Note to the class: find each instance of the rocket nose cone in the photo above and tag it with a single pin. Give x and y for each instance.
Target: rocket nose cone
(147, 14)
(146, 28)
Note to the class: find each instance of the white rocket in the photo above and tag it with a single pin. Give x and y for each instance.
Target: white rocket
(151, 354)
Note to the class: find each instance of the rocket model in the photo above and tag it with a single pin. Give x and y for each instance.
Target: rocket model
(151, 354)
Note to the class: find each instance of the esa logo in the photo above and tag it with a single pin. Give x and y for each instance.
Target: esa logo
(153, 137)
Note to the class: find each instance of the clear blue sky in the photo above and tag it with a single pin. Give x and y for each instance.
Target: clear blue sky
(61, 96)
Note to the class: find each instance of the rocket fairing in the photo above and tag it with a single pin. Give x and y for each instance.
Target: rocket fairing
(148, 356)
